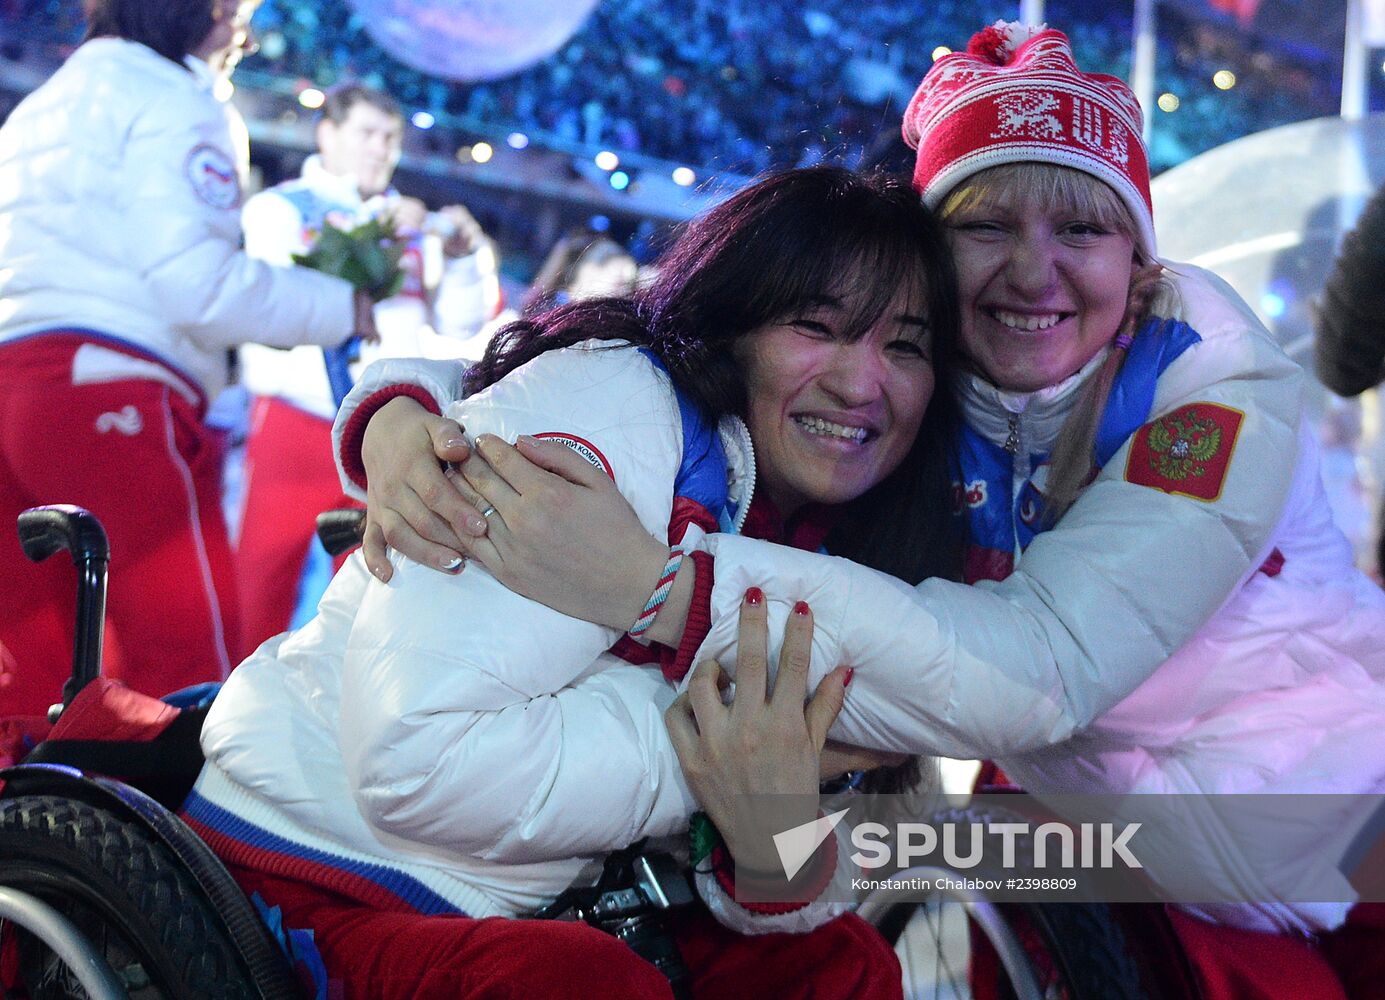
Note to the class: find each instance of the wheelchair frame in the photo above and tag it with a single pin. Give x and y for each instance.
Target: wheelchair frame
(245, 947)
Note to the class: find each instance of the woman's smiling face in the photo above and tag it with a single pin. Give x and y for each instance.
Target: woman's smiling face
(1043, 287)
(831, 416)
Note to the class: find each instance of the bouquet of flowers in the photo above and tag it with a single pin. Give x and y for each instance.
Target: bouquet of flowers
(367, 256)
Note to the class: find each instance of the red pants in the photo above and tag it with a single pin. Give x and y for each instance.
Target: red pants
(136, 454)
(290, 478)
(375, 955)
(1235, 964)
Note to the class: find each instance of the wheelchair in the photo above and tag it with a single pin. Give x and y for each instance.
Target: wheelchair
(106, 894)
(957, 942)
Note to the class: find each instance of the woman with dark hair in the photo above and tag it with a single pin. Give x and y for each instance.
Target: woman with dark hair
(440, 748)
(1162, 608)
(124, 287)
(583, 264)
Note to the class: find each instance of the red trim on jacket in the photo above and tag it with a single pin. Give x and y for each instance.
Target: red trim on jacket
(675, 663)
(812, 880)
(353, 434)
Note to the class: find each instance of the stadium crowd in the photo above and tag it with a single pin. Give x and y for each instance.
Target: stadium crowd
(731, 85)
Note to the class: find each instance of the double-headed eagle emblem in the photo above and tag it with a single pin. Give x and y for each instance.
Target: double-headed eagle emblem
(1182, 444)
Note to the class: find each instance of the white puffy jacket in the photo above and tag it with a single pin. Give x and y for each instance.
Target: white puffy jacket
(120, 191)
(1136, 647)
(461, 742)
(444, 304)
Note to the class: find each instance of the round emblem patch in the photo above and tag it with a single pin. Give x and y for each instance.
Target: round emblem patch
(583, 447)
(213, 176)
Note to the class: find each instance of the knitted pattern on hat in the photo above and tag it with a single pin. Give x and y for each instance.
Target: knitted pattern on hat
(1016, 95)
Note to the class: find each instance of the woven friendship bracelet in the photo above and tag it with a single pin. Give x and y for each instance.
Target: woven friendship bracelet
(660, 595)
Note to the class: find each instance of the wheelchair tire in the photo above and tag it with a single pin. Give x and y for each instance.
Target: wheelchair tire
(129, 896)
(1078, 951)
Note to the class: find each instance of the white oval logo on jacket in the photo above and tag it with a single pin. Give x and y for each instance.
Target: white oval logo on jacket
(213, 176)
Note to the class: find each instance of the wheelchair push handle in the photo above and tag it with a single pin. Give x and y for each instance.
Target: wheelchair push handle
(340, 530)
(45, 531)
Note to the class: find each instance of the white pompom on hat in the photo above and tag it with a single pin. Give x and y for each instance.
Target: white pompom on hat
(1016, 95)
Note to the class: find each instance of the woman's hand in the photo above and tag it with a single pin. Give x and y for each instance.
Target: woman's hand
(560, 532)
(766, 742)
(411, 504)
(363, 317)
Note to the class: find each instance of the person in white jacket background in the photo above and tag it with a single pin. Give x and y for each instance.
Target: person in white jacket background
(123, 287)
(451, 290)
(440, 745)
(1161, 603)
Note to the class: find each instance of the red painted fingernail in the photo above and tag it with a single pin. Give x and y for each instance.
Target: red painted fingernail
(847, 679)
(801, 608)
(754, 596)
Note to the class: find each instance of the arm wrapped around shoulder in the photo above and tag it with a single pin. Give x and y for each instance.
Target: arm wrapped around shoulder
(1173, 525)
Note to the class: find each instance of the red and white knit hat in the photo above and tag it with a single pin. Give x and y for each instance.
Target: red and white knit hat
(1017, 95)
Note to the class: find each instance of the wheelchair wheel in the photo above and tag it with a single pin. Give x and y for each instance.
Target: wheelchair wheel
(957, 944)
(1065, 951)
(128, 896)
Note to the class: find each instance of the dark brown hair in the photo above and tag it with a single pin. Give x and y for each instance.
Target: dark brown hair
(756, 258)
(340, 99)
(172, 28)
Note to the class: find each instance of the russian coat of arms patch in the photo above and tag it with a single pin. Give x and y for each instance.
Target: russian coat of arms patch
(1187, 451)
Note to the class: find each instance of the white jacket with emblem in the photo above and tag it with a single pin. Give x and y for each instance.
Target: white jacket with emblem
(447, 728)
(1137, 647)
(120, 193)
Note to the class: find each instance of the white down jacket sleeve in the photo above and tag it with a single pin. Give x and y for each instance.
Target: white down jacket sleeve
(1096, 604)
(483, 722)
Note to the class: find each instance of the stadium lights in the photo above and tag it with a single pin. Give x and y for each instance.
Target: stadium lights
(684, 177)
(1168, 102)
(517, 140)
(423, 120)
(311, 98)
(607, 160)
(482, 152)
(1224, 79)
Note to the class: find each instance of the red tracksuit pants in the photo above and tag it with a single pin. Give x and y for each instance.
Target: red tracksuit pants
(372, 954)
(290, 478)
(136, 454)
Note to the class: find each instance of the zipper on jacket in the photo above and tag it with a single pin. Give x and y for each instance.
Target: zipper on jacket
(749, 451)
(1020, 471)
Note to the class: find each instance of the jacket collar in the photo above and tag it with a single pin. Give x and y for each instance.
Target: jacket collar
(201, 72)
(740, 465)
(987, 408)
(341, 188)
